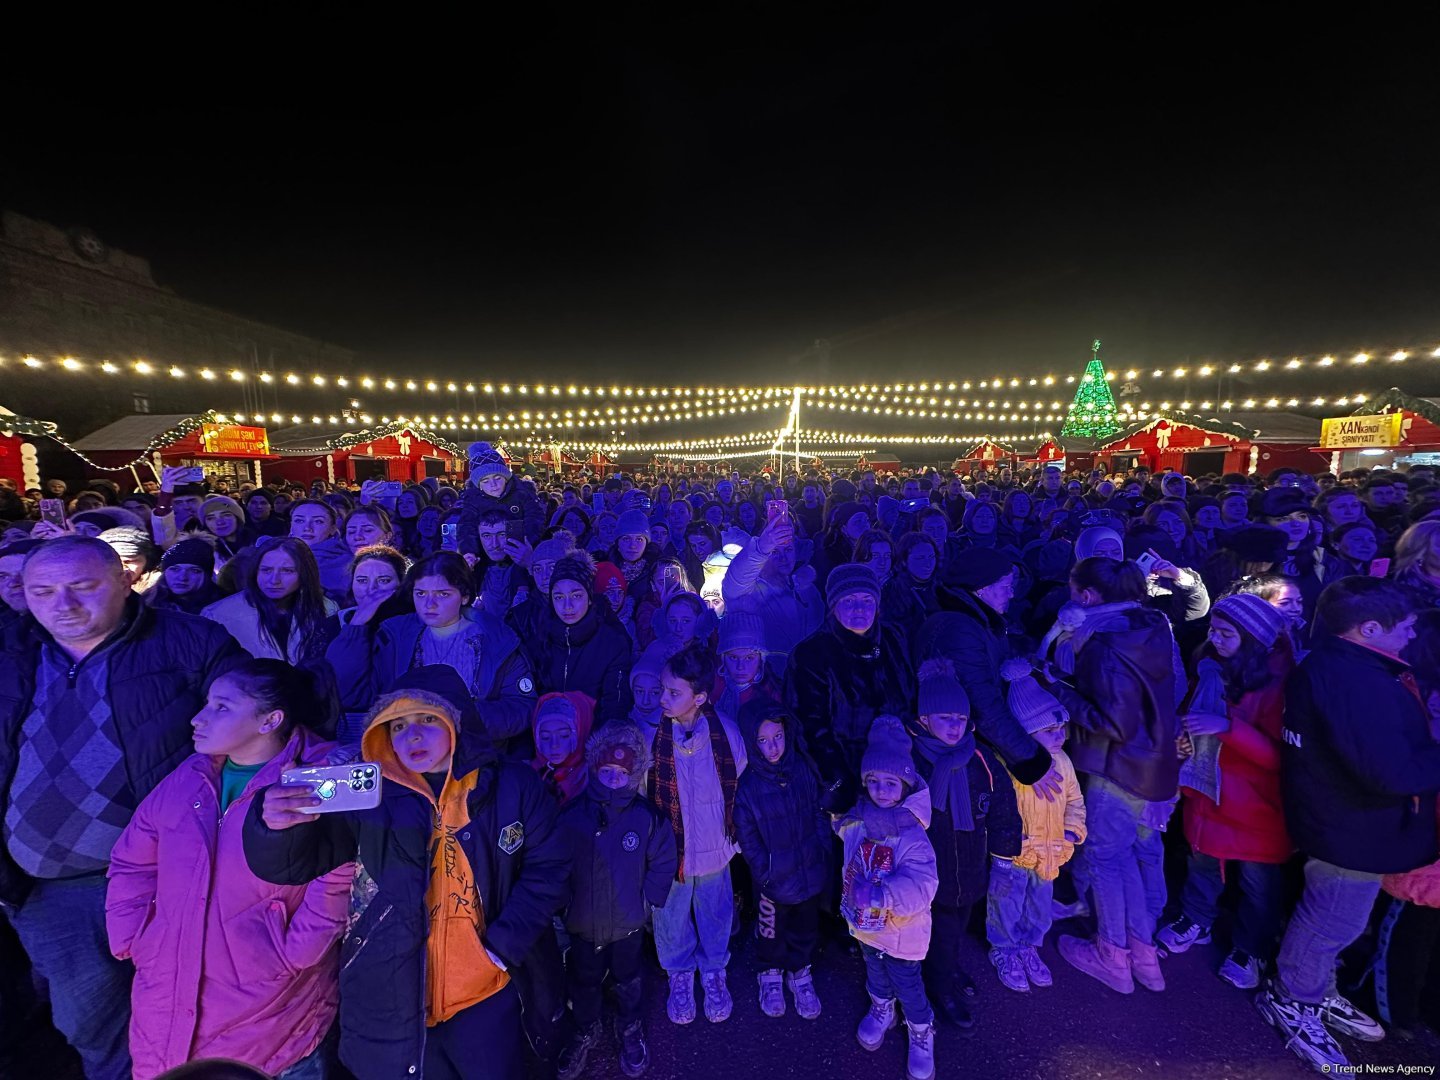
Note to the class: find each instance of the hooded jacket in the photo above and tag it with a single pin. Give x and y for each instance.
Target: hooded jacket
(226, 965)
(518, 502)
(623, 857)
(903, 862)
(365, 662)
(567, 779)
(519, 862)
(1122, 702)
(972, 637)
(593, 656)
(784, 833)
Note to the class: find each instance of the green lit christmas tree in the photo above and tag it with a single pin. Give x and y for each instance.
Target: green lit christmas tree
(1092, 413)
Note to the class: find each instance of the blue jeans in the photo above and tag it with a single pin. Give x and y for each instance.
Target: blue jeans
(1017, 907)
(888, 978)
(1124, 861)
(1262, 893)
(319, 1064)
(62, 926)
(692, 930)
(1333, 911)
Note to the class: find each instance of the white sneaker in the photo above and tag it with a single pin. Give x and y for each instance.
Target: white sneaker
(1304, 1031)
(717, 997)
(1177, 936)
(807, 1002)
(772, 993)
(681, 1006)
(1342, 1016)
(1035, 968)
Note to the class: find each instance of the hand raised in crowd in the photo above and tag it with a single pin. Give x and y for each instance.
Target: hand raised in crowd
(282, 805)
(48, 530)
(366, 609)
(778, 532)
(1163, 568)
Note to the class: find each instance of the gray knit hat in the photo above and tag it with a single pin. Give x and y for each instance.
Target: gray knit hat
(742, 630)
(849, 578)
(1253, 615)
(1030, 703)
(633, 521)
(889, 751)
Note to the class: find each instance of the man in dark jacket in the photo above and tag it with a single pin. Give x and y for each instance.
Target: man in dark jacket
(493, 486)
(969, 632)
(581, 645)
(1359, 774)
(96, 696)
(422, 993)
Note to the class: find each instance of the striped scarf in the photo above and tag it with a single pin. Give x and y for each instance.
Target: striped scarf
(665, 785)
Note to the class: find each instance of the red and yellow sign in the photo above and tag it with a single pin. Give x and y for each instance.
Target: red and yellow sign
(234, 440)
(1354, 432)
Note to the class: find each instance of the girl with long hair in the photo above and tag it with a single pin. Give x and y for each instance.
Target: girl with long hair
(281, 609)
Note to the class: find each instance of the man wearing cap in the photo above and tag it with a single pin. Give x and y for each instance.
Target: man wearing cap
(969, 631)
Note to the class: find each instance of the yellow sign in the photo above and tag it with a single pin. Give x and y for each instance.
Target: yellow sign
(1353, 432)
(234, 440)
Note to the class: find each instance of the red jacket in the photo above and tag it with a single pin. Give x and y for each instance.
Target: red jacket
(1249, 822)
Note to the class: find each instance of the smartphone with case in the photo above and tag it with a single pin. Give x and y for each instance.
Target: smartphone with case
(514, 529)
(597, 502)
(389, 489)
(53, 511)
(776, 508)
(1146, 561)
(340, 787)
(1379, 567)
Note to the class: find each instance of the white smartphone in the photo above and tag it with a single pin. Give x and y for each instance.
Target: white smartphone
(340, 787)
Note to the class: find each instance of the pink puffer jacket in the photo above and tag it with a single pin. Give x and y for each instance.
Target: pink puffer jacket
(226, 965)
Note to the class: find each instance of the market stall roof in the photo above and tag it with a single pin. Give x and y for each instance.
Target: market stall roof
(321, 438)
(1279, 427)
(1394, 399)
(134, 432)
(1214, 425)
(974, 448)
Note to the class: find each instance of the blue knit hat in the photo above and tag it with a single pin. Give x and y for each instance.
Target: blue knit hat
(742, 630)
(485, 460)
(848, 578)
(889, 751)
(940, 691)
(1253, 615)
(633, 521)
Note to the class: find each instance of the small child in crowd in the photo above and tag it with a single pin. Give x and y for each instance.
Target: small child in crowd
(623, 854)
(646, 713)
(744, 674)
(562, 724)
(887, 887)
(1019, 906)
(699, 758)
(786, 838)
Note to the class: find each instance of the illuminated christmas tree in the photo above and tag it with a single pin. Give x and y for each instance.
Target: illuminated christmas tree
(1092, 413)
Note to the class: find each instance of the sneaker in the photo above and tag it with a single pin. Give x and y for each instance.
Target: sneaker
(1340, 1015)
(920, 1057)
(574, 1054)
(634, 1053)
(1241, 970)
(772, 993)
(717, 997)
(802, 988)
(875, 1023)
(681, 1006)
(1179, 935)
(1303, 1030)
(1035, 969)
(1010, 969)
(1080, 909)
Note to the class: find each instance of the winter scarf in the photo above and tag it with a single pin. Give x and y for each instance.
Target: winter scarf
(665, 785)
(1100, 618)
(883, 823)
(949, 784)
(568, 778)
(1201, 770)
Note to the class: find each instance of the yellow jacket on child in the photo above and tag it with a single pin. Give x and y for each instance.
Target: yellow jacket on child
(1044, 848)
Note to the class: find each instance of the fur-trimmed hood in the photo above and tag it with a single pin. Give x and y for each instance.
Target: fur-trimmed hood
(619, 733)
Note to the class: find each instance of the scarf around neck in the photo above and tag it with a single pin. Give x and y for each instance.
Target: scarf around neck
(1100, 618)
(665, 782)
(949, 779)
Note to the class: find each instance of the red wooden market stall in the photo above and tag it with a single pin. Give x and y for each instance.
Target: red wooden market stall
(20, 441)
(388, 452)
(1390, 429)
(1197, 445)
(987, 454)
(235, 452)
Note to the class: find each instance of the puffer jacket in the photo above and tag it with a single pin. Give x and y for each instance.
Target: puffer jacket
(836, 684)
(1122, 703)
(518, 502)
(1249, 822)
(904, 863)
(783, 830)
(366, 660)
(519, 861)
(622, 849)
(226, 965)
(962, 858)
(972, 637)
(593, 656)
(160, 665)
(1045, 847)
(792, 610)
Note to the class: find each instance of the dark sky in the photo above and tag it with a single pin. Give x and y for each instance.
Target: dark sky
(958, 196)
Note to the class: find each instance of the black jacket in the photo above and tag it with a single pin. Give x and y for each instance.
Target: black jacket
(382, 960)
(906, 603)
(593, 657)
(518, 502)
(623, 862)
(972, 637)
(1359, 771)
(836, 683)
(962, 858)
(160, 665)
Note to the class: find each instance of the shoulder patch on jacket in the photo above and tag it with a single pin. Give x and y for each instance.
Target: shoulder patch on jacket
(525, 684)
(511, 837)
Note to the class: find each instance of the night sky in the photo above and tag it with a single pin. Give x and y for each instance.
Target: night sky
(962, 196)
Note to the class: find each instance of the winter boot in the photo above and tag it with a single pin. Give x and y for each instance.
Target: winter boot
(772, 993)
(1145, 965)
(875, 1023)
(576, 1052)
(807, 1002)
(920, 1061)
(1100, 960)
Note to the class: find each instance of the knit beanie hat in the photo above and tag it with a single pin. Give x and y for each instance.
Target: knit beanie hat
(555, 706)
(485, 460)
(1033, 705)
(976, 568)
(575, 566)
(633, 521)
(1089, 539)
(742, 630)
(649, 662)
(554, 549)
(606, 574)
(1253, 615)
(193, 552)
(221, 502)
(940, 691)
(889, 751)
(131, 543)
(887, 510)
(1257, 543)
(848, 578)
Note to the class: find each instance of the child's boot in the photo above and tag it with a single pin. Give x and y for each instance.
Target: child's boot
(576, 1052)
(1100, 960)
(634, 1053)
(802, 987)
(772, 993)
(1145, 964)
(920, 1061)
(681, 1006)
(875, 1023)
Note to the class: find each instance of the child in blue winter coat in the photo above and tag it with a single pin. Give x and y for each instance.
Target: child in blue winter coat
(785, 838)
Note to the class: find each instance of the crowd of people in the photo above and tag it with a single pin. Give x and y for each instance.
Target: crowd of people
(623, 722)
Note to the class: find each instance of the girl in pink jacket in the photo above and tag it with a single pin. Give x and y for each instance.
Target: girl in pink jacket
(227, 965)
